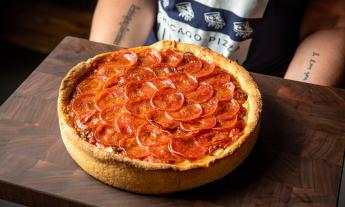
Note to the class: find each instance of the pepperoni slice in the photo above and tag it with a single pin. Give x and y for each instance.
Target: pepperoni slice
(90, 85)
(83, 103)
(164, 70)
(191, 67)
(161, 119)
(128, 124)
(215, 140)
(163, 154)
(187, 148)
(228, 110)
(135, 89)
(168, 99)
(109, 97)
(109, 114)
(149, 57)
(150, 135)
(140, 73)
(107, 135)
(187, 113)
(197, 68)
(123, 58)
(184, 82)
(190, 63)
(225, 124)
(138, 107)
(242, 112)
(240, 96)
(219, 77)
(205, 70)
(190, 58)
(114, 81)
(171, 57)
(212, 138)
(210, 107)
(223, 91)
(180, 133)
(132, 149)
(202, 94)
(109, 69)
(87, 120)
(160, 83)
(199, 124)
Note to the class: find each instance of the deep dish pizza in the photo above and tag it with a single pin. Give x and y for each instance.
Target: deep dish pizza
(159, 119)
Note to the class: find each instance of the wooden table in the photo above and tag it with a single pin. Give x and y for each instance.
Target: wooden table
(297, 160)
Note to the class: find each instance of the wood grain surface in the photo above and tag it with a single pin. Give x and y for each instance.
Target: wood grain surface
(297, 160)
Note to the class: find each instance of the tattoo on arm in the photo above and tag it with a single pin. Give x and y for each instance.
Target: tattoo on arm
(125, 22)
(312, 62)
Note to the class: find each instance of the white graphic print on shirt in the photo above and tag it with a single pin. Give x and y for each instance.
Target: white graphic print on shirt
(214, 20)
(186, 11)
(165, 3)
(242, 29)
(222, 25)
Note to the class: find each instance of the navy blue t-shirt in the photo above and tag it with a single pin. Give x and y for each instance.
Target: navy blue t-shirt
(262, 35)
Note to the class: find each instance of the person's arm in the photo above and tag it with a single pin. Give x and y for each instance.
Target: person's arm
(123, 22)
(320, 57)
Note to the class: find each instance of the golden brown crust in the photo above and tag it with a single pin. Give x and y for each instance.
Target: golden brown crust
(154, 178)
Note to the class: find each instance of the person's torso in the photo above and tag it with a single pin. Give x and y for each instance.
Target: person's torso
(259, 34)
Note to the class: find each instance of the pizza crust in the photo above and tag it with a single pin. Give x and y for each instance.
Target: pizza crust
(156, 178)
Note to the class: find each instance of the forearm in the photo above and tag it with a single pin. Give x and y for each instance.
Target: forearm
(122, 22)
(320, 58)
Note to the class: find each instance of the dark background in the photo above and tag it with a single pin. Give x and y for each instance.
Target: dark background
(31, 29)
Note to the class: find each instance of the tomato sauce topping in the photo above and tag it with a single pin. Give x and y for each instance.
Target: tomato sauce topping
(158, 106)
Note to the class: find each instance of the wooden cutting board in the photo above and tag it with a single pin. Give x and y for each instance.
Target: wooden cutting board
(297, 160)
